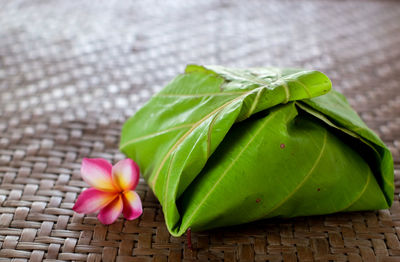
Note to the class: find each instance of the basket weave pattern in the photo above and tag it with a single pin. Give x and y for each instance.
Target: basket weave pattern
(71, 72)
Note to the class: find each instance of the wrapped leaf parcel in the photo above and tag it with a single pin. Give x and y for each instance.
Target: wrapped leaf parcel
(222, 146)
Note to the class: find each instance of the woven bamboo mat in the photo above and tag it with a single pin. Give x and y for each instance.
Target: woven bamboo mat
(71, 72)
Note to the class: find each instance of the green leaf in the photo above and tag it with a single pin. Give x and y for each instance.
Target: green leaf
(222, 146)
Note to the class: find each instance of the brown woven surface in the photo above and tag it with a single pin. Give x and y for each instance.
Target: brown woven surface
(71, 72)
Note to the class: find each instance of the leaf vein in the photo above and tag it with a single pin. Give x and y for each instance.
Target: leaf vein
(200, 95)
(209, 133)
(154, 134)
(195, 125)
(226, 171)
(254, 104)
(247, 78)
(305, 178)
(302, 85)
(359, 195)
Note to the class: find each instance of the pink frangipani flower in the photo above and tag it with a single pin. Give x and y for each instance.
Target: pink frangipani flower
(112, 190)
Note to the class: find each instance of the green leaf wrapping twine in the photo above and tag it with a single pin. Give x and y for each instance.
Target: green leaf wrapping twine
(222, 146)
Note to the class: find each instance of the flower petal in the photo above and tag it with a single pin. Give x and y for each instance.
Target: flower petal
(97, 173)
(111, 212)
(92, 200)
(125, 174)
(132, 205)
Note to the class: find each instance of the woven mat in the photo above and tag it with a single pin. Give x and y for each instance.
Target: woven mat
(71, 72)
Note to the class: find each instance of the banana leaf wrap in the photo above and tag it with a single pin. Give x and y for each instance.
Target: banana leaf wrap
(222, 146)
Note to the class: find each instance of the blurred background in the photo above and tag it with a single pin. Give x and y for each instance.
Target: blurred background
(71, 72)
(78, 57)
